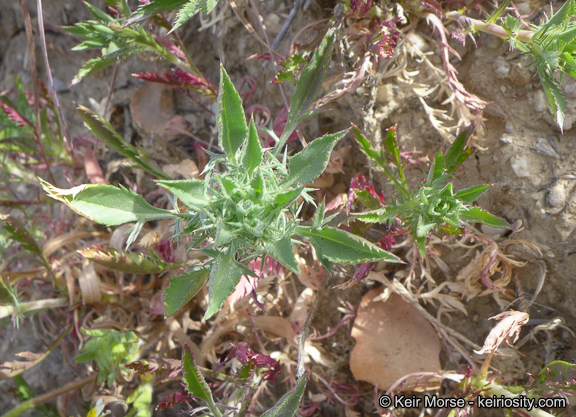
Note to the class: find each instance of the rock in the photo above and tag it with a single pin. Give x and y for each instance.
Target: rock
(540, 101)
(502, 68)
(519, 165)
(556, 197)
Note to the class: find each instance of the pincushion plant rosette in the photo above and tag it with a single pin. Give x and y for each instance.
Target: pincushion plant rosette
(248, 205)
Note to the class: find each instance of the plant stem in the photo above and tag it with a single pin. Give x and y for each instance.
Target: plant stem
(27, 405)
(522, 35)
(33, 306)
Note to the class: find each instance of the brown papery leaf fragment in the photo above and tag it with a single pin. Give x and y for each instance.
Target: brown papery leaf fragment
(92, 167)
(152, 109)
(509, 326)
(393, 340)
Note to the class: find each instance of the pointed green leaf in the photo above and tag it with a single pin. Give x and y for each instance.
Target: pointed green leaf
(476, 214)
(131, 263)
(183, 288)
(374, 216)
(192, 377)
(106, 204)
(451, 156)
(257, 185)
(186, 13)
(232, 127)
(366, 145)
(208, 5)
(287, 406)
(224, 235)
(92, 66)
(308, 87)
(224, 277)
(438, 166)
(227, 185)
(146, 11)
(423, 229)
(283, 252)
(469, 195)
(104, 131)
(285, 199)
(342, 247)
(391, 145)
(191, 192)
(310, 162)
(562, 16)
(555, 98)
(252, 151)
(17, 231)
(557, 373)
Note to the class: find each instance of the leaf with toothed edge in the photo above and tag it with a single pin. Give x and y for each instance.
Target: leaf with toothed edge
(282, 251)
(224, 277)
(183, 288)
(310, 162)
(342, 247)
(131, 263)
(308, 87)
(106, 204)
(287, 406)
(192, 377)
(191, 192)
(232, 129)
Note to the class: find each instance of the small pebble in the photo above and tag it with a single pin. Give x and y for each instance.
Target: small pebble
(540, 101)
(519, 165)
(557, 196)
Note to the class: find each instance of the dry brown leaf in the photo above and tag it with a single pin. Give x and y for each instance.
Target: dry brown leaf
(92, 167)
(187, 168)
(152, 109)
(89, 284)
(277, 325)
(336, 162)
(393, 340)
(302, 307)
(509, 326)
(326, 180)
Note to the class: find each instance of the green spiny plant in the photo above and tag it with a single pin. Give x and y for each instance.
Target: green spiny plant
(551, 46)
(186, 10)
(247, 207)
(431, 206)
(117, 41)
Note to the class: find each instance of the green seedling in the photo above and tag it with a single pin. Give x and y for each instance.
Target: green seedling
(431, 206)
(551, 47)
(116, 41)
(111, 350)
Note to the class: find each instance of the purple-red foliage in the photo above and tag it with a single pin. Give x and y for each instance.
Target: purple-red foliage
(171, 400)
(270, 368)
(180, 79)
(167, 368)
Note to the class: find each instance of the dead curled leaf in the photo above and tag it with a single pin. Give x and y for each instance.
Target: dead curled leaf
(509, 326)
(152, 109)
(92, 167)
(393, 340)
(89, 284)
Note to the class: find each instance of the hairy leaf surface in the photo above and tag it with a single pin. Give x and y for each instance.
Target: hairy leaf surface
(183, 288)
(106, 204)
(308, 164)
(232, 127)
(345, 248)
